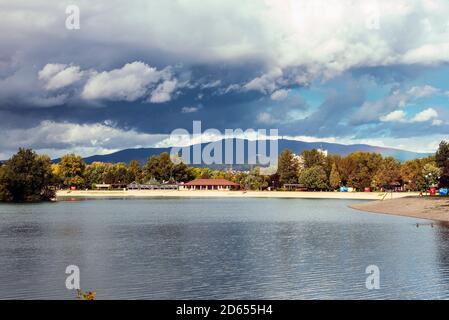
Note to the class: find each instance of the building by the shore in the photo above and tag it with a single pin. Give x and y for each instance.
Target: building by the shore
(152, 186)
(109, 186)
(211, 184)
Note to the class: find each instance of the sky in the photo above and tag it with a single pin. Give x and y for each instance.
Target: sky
(343, 71)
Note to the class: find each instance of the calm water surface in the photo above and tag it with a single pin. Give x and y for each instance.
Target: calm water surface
(218, 249)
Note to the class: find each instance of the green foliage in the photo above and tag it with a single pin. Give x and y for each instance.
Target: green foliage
(95, 173)
(313, 158)
(411, 173)
(314, 178)
(159, 168)
(26, 177)
(430, 176)
(135, 171)
(118, 173)
(254, 181)
(71, 170)
(202, 173)
(442, 161)
(388, 173)
(362, 167)
(182, 173)
(287, 167)
(334, 178)
(346, 166)
(4, 192)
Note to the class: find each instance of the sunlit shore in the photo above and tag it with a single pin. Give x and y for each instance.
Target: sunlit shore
(431, 208)
(239, 194)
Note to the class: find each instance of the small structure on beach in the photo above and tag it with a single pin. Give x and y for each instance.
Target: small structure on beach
(211, 184)
(102, 186)
(109, 186)
(152, 186)
(295, 187)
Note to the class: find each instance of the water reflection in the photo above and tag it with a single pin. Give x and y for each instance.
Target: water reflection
(218, 249)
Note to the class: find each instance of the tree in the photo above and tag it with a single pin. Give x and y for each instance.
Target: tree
(202, 173)
(287, 167)
(158, 167)
(118, 173)
(56, 172)
(313, 158)
(346, 166)
(182, 173)
(136, 170)
(363, 168)
(442, 160)
(334, 178)
(4, 193)
(388, 173)
(71, 170)
(411, 172)
(26, 177)
(314, 178)
(254, 181)
(430, 176)
(95, 172)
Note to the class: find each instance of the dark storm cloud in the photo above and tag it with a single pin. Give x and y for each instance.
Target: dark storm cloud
(148, 67)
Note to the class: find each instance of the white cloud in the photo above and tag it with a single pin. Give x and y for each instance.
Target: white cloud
(133, 81)
(280, 94)
(265, 118)
(425, 115)
(212, 84)
(50, 70)
(371, 110)
(279, 33)
(281, 37)
(44, 102)
(189, 109)
(302, 41)
(163, 91)
(265, 83)
(394, 116)
(58, 138)
(57, 76)
(423, 91)
(128, 83)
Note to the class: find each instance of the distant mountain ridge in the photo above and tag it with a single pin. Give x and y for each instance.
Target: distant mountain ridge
(142, 154)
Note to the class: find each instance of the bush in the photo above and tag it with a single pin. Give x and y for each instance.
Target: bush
(314, 178)
(26, 177)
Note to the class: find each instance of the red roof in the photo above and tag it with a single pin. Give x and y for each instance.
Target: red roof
(211, 182)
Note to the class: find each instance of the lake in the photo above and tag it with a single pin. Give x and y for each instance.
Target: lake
(218, 248)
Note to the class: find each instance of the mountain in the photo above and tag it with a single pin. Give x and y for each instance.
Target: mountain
(142, 154)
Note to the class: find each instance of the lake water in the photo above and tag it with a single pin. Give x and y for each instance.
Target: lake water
(218, 248)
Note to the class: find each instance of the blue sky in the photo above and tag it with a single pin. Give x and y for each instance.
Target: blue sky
(338, 70)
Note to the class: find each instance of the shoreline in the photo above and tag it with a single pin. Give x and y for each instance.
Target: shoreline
(429, 208)
(226, 194)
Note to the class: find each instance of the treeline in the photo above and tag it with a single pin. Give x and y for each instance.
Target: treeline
(72, 171)
(360, 170)
(27, 176)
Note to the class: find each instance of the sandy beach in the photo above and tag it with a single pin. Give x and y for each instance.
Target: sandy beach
(239, 194)
(431, 208)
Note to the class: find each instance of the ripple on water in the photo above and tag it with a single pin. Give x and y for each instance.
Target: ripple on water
(218, 249)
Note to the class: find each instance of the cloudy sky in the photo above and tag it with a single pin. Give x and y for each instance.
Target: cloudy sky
(347, 71)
